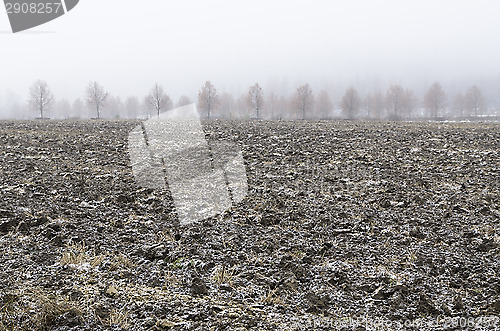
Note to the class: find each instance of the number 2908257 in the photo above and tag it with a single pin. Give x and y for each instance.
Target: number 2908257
(34, 8)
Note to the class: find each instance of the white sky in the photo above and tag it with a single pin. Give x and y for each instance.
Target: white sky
(129, 45)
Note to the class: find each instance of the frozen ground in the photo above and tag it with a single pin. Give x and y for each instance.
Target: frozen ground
(344, 223)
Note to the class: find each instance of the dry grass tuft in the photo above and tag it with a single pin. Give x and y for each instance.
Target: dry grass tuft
(121, 261)
(272, 298)
(163, 236)
(77, 255)
(33, 309)
(221, 275)
(51, 308)
(7, 312)
(119, 318)
(171, 279)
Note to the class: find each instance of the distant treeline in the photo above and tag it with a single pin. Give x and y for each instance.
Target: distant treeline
(395, 103)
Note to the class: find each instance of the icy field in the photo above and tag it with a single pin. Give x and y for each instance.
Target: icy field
(343, 223)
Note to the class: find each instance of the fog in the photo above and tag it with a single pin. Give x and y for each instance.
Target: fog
(127, 46)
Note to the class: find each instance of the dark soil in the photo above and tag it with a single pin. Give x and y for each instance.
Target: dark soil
(343, 223)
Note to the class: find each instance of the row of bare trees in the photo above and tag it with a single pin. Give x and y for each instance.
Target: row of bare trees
(41, 99)
(397, 103)
(470, 104)
(302, 102)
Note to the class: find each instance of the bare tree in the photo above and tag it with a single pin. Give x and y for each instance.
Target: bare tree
(241, 106)
(62, 109)
(114, 106)
(208, 98)
(277, 106)
(324, 105)
(283, 105)
(255, 99)
(435, 100)
(96, 97)
(184, 101)
(410, 103)
(157, 100)
(474, 101)
(459, 104)
(394, 101)
(77, 108)
(350, 103)
(227, 105)
(40, 97)
(365, 105)
(303, 100)
(272, 104)
(132, 106)
(375, 103)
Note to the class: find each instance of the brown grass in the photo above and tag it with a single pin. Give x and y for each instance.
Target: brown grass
(222, 275)
(78, 254)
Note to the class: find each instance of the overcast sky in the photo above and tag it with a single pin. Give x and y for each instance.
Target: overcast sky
(129, 45)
